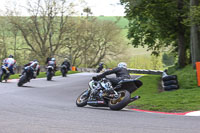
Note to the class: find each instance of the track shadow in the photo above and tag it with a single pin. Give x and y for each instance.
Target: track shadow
(102, 108)
(26, 86)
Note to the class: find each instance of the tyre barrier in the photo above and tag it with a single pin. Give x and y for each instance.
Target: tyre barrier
(169, 82)
(171, 87)
(169, 77)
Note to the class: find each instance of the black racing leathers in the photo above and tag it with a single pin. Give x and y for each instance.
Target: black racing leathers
(121, 73)
(67, 64)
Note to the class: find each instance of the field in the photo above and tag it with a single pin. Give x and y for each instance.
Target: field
(123, 22)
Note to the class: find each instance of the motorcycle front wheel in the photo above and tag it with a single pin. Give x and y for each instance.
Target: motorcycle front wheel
(1, 75)
(81, 101)
(121, 101)
(22, 80)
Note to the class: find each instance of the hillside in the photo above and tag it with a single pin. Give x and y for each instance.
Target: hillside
(123, 22)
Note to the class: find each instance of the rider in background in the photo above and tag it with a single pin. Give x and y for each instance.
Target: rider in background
(120, 71)
(52, 63)
(66, 63)
(47, 60)
(100, 67)
(10, 62)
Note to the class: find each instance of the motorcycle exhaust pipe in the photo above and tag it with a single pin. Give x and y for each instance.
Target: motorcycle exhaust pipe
(134, 98)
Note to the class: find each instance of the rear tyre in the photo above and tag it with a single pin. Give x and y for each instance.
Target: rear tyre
(49, 76)
(121, 102)
(81, 101)
(63, 73)
(6, 77)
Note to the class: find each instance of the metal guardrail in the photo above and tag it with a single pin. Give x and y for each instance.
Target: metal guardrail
(19, 69)
(137, 71)
(144, 71)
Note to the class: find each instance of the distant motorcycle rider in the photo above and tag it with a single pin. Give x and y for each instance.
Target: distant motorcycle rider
(10, 62)
(120, 71)
(47, 60)
(66, 63)
(100, 67)
(52, 63)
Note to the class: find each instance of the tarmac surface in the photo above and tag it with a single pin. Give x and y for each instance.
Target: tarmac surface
(43, 106)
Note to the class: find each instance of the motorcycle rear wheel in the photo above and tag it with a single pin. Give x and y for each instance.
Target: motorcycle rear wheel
(6, 77)
(49, 76)
(121, 102)
(63, 73)
(81, 101)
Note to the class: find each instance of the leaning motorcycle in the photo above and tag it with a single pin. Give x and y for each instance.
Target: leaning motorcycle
(64, 70)
(26, 76)
(4, 73)
(50, 72)
(101, 94)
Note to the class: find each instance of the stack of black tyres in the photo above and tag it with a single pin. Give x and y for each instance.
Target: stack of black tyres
(170, 82)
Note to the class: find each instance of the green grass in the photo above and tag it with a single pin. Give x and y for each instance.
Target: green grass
(182, 100)
(186, 77)
(123, 22)
(42, 74)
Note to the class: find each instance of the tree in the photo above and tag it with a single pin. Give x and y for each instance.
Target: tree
(43, 31)
(90, 40)
(105, 40)
(194, 37)
(158, 24)
(167, 59)
(51, 30)
(4, 35)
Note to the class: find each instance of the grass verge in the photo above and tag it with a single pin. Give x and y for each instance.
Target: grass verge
(185, 99)
(43, 74)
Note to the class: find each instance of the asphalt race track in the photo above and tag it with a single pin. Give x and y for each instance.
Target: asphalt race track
(43, 106)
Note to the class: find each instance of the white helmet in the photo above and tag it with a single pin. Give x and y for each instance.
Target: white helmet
(66, 59)
(53, 59)
(122, 64)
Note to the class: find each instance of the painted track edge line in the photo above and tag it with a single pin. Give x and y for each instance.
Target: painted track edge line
(191, 113)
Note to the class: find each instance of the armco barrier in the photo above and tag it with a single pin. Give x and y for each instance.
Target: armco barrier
(143, 71)
(20, 68)
(86, 69)
(136, 71)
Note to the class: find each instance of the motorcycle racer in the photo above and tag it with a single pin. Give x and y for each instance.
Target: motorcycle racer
(120, 71)
(34, 66)
(10, 62)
